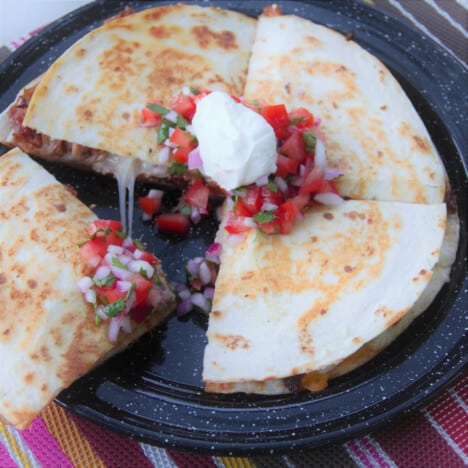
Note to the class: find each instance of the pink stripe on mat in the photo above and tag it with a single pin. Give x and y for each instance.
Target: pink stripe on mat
(43, 445)
(356, 453)
(5, 460)
(370, 445)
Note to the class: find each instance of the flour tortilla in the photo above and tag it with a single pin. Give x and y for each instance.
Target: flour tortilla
(293, 304)
(372, 130)
(93, 94)
(48, 336)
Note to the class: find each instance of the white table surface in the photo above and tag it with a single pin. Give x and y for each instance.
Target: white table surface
(20, 17)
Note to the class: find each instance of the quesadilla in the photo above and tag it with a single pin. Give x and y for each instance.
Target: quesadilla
(48, 334)
(97, 88)
(289, 305)
(373, 133)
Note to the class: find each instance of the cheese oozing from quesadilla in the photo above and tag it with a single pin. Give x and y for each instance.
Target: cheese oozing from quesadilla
(48, 334)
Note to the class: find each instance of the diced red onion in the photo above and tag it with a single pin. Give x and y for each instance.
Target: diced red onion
(204, 273)
(281, 183)
(249, 222)
(194, 160)
(120, 273)
(184, 294)
(296, 181)
(90, 296)
(102, 272)
(267, 206)
(195, 215)
(154, 297)
(137, 265)
(126, 324)
(155, 193)
(193, 265)
(328, 198)
(101, 314)
(114, 328)
(262, 180)
(171, 116)
(189, 128)
(213, 252)
(320, 159)
(317, 122)
(127, 243)
(208, 293)
(332, 173)
(184, 307)
(123, 285)
(84, 284)
(164, 154)
(115, 249)
(200, 301)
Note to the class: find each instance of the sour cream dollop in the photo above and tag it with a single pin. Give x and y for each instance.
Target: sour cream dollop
(237, 145)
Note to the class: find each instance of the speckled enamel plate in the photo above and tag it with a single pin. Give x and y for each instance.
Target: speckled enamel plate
(153, 391)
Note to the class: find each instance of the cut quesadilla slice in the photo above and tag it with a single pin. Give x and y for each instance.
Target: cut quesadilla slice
(98, 87)
(373, 133)
(289, 305)
(48, 333)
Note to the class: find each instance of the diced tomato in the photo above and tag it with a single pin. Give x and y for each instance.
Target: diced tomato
(286, 214)
(103, 224)
(241, 208)
(150, 118)
(301, 118)
(269, 196)
(142, 288)
(285, 165)
(328, 186)
(181, 155)
(111, 294)
(173, 223)
(149, 257)
(140, 312)
(294, 147)
(313, 181)
(149, 205)
(197, 195)
(300, 202)
(271, 227)
(183, 139)
(93, 250)
(276, 115)
(236, 224)
(184, 104)
(253, 198)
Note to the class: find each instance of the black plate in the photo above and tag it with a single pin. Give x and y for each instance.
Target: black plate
(153, 391)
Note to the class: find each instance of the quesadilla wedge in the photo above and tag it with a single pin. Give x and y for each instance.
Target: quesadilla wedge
(293, 304)
(373, 133)
(97, 88)
(48, 334)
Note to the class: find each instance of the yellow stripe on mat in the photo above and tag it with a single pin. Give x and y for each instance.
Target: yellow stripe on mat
(68, 436)
(14, 446)
(236, 462)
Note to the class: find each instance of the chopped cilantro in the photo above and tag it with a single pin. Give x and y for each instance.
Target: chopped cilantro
(272, 186)
(181, 122)
(114, 309)
(194, 91)
(296, 120)
(138, 244)
(116, 262)
(158, 109)
(309, 140)
(177, 169)
(107, 281)
(163, 133)
(97, 320)
(263, 217)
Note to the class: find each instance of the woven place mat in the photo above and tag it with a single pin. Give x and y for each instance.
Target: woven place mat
(434, 436)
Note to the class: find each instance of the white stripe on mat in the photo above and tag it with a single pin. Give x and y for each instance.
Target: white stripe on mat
(158, 456)
(444, 14)
(445, 436)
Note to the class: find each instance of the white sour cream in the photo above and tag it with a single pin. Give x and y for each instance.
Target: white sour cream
(237, 145)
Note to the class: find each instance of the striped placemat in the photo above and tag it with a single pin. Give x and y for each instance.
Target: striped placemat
(435, 436)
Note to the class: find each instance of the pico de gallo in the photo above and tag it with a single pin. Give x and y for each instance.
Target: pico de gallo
(274, 202)
(126, 283)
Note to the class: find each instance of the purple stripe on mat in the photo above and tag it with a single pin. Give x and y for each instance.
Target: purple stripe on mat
(5, 460)
(44, 446)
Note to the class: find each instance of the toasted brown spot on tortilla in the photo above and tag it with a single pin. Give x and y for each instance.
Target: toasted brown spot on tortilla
(80, 52)
(357, 340)
(348, 268)
(6, 332)
(32, 283)
(423, 272)
(61, 207)
(421, 143)
(323, 311)
(328, 215)
(29, 378)
(44, 387)
(88, 114)
(232, 341)
(247, 276)
(162, 32)
(125, 115)
(216, 314)
(205, 38)
(3, 278)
